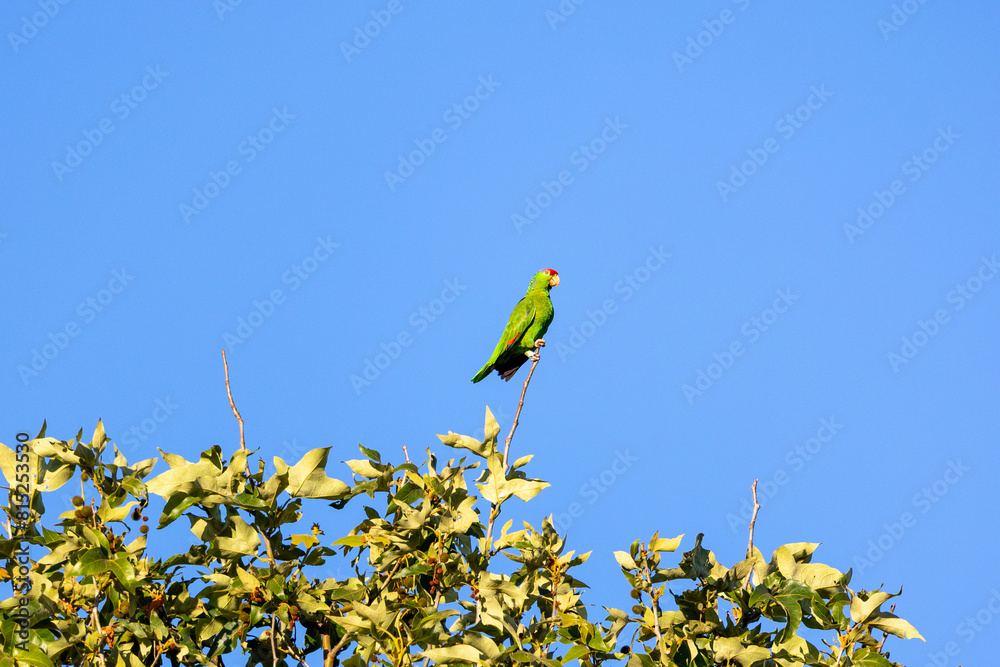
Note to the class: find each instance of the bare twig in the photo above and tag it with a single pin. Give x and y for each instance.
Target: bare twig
(99, 630)
(331, 657)
(885, 636)
(534, 362)
(385, 584)
(232, 404)
(753, 521)
(406, 454)
(494, 510)
(274, 645)
(655, 601)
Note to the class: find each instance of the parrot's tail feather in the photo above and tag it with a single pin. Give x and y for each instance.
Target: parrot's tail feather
(509, 373)
(483, 372)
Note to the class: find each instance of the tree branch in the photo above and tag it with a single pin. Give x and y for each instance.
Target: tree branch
(232, 404)
(274, 645)
(753, 521)
(534, 362)
(885, 636)
(494, 509)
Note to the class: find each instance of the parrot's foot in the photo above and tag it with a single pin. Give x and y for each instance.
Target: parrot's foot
(540, 342)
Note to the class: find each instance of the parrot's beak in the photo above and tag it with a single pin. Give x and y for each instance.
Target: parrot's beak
(554, 280)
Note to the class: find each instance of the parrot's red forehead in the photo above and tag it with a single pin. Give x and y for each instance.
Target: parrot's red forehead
(551, 272)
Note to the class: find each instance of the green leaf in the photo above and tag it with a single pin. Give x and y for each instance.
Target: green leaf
(525, 489)
(370, 453)
(664, 544)
(93, 563)
(625, 560)
(455, 653)
(244, 539)
(180, 474)
(350, 541)
(364, 468)
(308, 478)
(305, 540)
(731, 649)
(894, 625)
(100, 436)
(483, 448)
(33, 656)
(459, 441)
(574, 653)
(789, 597)
(8, 463)
(866, 657)
(523, 461)
(862, 609)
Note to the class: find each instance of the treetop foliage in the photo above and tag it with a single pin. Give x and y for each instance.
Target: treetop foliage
(425, 584)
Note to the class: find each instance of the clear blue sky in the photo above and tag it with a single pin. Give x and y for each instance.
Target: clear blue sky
(775, 223)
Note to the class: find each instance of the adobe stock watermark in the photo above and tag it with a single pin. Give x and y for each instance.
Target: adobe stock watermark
(142, 431)
(294, 277)
(86, 311)
(627, 286)
(959, 297)
(786, 127)
(899, 16)
(595, 487)
(223, 7)
(30, 25)
(121, 107)
(795, 460)
(970, 627)
(752, 330)
(714, 27)
(562, 12)
(454, 116)
(249, 149)
(363, 35)
(923, 501)
(914, 169)
(418, 321)
(581, 158)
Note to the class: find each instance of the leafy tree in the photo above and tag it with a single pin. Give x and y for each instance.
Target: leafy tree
(426, 585)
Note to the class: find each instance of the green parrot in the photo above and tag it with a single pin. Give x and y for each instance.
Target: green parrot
(527, 324)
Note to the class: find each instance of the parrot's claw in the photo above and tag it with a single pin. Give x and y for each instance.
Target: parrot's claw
(540, 342)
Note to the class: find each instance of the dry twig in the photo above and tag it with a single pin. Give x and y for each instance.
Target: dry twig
(494, 510)
(232, 404)
(753, 521)
(534, 362)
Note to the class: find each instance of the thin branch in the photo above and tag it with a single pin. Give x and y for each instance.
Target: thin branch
(331, 657)
(232, 404)
(494, 509)
(274, 644)
(534, 362)
(655, 601)
(406, 454)
(388, 580)
(892, 609)
(753, 521)
(99, 630)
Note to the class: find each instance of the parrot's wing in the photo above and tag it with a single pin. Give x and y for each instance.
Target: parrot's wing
(517, 324)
